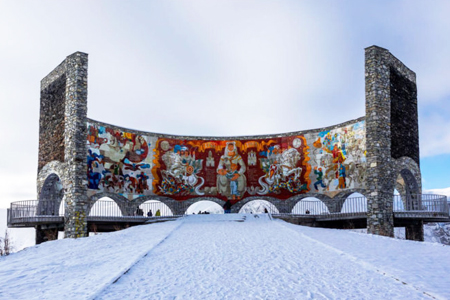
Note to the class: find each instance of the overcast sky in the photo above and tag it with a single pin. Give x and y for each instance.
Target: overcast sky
(219, 68)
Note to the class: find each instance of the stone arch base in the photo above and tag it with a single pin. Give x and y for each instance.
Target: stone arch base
(51, 184)
(414, 231)
(408, 183)
(76, 207)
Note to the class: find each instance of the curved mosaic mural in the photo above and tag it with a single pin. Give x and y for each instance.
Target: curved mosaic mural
(134, 165)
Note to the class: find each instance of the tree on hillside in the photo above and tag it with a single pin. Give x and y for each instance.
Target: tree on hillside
(5, 244)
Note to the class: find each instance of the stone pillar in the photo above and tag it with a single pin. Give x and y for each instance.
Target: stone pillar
(380, 182)
(414, 231)
(62, 139)
(391, 132)
(75, 135)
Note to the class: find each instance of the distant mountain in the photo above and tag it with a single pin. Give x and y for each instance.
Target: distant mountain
(438, 232)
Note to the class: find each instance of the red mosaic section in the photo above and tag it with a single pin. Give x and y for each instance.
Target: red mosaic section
(231, 169)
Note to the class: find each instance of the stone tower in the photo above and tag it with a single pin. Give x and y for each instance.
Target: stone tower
(62, 143)
(392, 139)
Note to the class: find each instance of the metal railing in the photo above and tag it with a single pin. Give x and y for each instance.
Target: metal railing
(421, 205)
(34, 211)
(150, 209)
(27, 212)
(427, 205)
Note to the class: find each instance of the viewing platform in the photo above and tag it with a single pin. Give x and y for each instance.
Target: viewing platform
(108, 216)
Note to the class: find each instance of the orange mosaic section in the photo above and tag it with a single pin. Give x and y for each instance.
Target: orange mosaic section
(231, 169)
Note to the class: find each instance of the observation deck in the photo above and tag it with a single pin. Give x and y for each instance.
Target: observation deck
(108, 216)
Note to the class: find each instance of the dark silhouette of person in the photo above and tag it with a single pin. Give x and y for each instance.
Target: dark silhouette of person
(227, 207)
(139, 212)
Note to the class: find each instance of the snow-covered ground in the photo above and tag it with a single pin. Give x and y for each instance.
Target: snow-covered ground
(228, 257)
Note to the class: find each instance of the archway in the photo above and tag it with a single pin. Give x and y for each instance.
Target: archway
(409, 190)
(310, 205)
(398, 201)
(258, 206)
(51, 195)
(153, 208)
(105, 207)
(204, 206)
(354, 203)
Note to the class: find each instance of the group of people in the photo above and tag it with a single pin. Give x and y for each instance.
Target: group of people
(202, 212)
(140, 212)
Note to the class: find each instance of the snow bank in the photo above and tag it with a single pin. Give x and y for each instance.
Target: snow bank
(422, 265)
(227, 257)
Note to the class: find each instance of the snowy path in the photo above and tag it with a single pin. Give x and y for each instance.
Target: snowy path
(77, 268)
(424, 265)
(225, 257)
(256, 259)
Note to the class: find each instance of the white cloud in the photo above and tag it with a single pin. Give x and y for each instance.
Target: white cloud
(215, 67)
(445, 192)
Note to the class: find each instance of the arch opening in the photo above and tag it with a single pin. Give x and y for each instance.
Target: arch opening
(310, 205)
(354, 203)
(105, 207)
(205, 206)
(409, 191)
(153, 208)
(51, 195)
(399, 205)
(258, 206)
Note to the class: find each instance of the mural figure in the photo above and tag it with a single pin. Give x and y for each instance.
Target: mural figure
(252, 159)
(181, 174)
(224, 170)
(96, 170)
(342, 182)
(282, 171)
(129, 164)
(210, 160)
(118, 161)
(233, 175)
(340, 153)
(319, 179)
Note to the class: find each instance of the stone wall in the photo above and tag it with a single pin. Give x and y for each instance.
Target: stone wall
(404, 118)
(51, 121)
(62, 140)
(391, 133)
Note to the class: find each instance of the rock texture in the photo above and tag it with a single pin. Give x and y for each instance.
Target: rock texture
(392, 141)
(62, 139)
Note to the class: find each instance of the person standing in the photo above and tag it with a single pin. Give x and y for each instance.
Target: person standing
(227, 207)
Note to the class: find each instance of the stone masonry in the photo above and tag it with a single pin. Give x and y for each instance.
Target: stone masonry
(62, 143)
(391, 134)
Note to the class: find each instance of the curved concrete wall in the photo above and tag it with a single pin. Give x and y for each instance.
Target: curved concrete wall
(136, 163)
